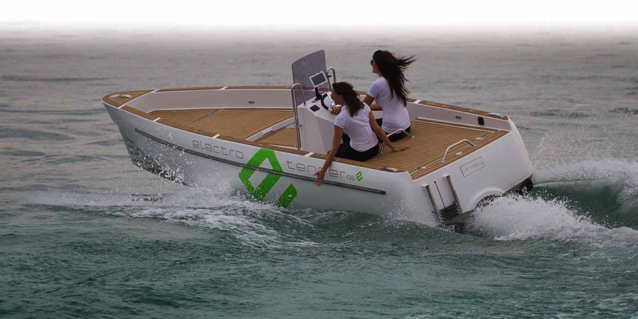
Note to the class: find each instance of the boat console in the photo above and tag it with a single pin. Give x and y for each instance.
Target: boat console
(312, 102)
(316, 124)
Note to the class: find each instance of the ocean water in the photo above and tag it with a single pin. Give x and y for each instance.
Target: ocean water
(86, 234)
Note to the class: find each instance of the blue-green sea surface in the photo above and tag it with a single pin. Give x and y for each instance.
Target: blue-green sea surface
(86, 234)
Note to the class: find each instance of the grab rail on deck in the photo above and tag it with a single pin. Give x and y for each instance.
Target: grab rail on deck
(334, 76)
(447, 150)
(294, 108)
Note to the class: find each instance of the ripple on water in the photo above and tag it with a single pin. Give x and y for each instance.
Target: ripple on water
(20, 153)
(73, 120)
(625, 110)
(7, 132)
(110, 142)
(55, 160)
(28, 78)
(70, 112)
(561, 114)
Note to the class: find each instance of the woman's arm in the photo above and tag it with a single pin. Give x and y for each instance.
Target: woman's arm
(373, 106)
(381, 135)
(336, 142)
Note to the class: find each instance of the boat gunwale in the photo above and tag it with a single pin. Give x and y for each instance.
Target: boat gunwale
(463, 109)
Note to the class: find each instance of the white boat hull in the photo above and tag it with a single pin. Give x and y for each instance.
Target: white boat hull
(287, 179)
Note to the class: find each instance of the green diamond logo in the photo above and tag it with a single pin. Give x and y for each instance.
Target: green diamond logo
(260, 191)
(358, 176)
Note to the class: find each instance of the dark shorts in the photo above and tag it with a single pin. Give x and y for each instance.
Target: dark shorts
(345, 151)
(397, 136)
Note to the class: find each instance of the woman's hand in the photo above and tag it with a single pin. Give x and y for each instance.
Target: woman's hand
(320, 175)
(398, 148)
(336, 142)
(336, 109)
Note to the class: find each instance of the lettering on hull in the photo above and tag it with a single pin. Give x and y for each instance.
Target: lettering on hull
(210, 148)
(472, 167)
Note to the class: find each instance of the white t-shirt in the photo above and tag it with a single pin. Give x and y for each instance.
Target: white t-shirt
(362, 138)
(395, 114)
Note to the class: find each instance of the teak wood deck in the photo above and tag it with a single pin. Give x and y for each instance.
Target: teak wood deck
(235, 123)
(426, 145)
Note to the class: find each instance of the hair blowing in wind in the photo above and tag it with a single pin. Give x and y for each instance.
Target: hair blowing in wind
(392, 68)
(346, 90)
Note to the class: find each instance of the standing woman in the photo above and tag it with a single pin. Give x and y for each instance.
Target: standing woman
(389, 92)
(363, 132)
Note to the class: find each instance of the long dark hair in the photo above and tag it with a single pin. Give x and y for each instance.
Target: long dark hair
(351, 97)
(391, 69)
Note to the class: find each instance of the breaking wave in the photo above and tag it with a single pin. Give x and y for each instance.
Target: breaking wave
(518, 218)
(252, 223)
(593, 202)
(606, 187)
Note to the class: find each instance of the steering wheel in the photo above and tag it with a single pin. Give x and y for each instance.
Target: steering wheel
(321, 97)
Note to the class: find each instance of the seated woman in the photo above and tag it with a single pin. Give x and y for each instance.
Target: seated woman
(389, 92)
(356, 120)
